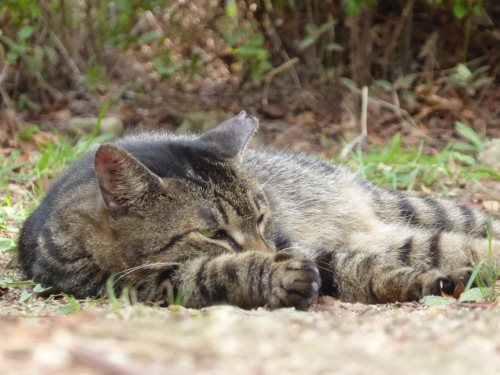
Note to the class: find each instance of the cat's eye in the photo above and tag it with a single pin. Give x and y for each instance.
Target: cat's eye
(221, 234)
(209, 233)
(213, 233)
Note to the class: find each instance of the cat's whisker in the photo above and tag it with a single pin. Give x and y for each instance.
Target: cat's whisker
(150, 266)
(142, 281)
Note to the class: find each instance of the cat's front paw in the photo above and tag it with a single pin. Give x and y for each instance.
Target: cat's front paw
(295, 282)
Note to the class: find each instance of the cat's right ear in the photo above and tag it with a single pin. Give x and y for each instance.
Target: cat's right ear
(125, 183)
(231, 137)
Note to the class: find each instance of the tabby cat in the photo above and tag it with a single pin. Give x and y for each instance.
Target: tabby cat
(206, 219)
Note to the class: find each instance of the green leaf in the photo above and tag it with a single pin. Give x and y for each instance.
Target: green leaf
(465, 159)
(334, 47)
(6, 281)
(307, 42)
(405, 82)
(472, 295)
(473, 276)
(11, 283)
(383, 84)
(25, 295)
(468, 133)
(29, 131)
(350, 84)
(6, 244)
(437, 301)
(460, 11)
(26, 32)
(463, 72)
(351, 8)
(35, 10)
(311, 28)
(231, 9)
(150, 37)
(39, 288)
(67, 309)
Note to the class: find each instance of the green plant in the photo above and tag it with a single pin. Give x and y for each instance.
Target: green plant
(475, 143)
(52, 158)
(402, 168)
(27, 294)
(352, 7)
(249, 50)
(469, 81)
(486, 273)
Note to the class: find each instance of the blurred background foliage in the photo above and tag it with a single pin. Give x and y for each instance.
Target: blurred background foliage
(50, 47)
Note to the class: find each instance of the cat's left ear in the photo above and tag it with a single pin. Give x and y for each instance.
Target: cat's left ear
(125, 183)
(230, 138)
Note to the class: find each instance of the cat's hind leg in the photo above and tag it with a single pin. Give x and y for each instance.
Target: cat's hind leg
(378, 278)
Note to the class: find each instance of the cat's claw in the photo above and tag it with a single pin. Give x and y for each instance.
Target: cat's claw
(295, 283)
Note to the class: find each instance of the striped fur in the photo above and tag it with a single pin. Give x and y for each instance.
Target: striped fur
(207, 219)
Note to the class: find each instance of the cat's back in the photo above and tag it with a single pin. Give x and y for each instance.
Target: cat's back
(314, 202)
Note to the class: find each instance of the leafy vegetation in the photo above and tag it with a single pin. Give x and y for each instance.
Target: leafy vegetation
(400, 168)
(32, 176)
(175, 39)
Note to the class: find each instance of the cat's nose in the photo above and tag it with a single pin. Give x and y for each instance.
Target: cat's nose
(257, 244)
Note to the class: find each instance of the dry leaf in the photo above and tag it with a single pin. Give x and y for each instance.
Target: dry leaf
(274, 110)
(459, 289)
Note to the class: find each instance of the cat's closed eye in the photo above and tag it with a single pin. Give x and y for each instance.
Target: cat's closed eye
(214, 233)
(221, 235)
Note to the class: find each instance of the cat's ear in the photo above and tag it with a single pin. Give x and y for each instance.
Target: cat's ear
(124, 181)
(230, 138)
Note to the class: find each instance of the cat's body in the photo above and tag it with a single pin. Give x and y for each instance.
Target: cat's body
(204, 217)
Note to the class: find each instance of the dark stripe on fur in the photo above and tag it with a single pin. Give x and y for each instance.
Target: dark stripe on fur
(326, 267)
(406, 209)
(435, 250)
(252, 275)
(440, 215)
(469, 218)
(404, 252)
(171, 243)
(201, 277)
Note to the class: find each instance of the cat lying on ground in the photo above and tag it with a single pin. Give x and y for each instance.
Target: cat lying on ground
(206, 218)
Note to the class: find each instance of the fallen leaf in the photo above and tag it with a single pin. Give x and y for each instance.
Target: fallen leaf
(274, 110)
(459, 289)
(436, 301)
(472, 295)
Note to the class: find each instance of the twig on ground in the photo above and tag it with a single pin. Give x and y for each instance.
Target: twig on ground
(65, 53)
(268, 77)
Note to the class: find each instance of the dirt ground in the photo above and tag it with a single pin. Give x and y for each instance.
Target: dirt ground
(332, 338)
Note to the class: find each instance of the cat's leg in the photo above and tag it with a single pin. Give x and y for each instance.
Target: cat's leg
(248, 280)
(393, 263)
(377, 278)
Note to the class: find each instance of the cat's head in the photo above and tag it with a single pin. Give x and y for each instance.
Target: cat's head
(203, 202)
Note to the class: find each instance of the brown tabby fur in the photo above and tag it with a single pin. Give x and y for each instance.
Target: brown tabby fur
(209, 220)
